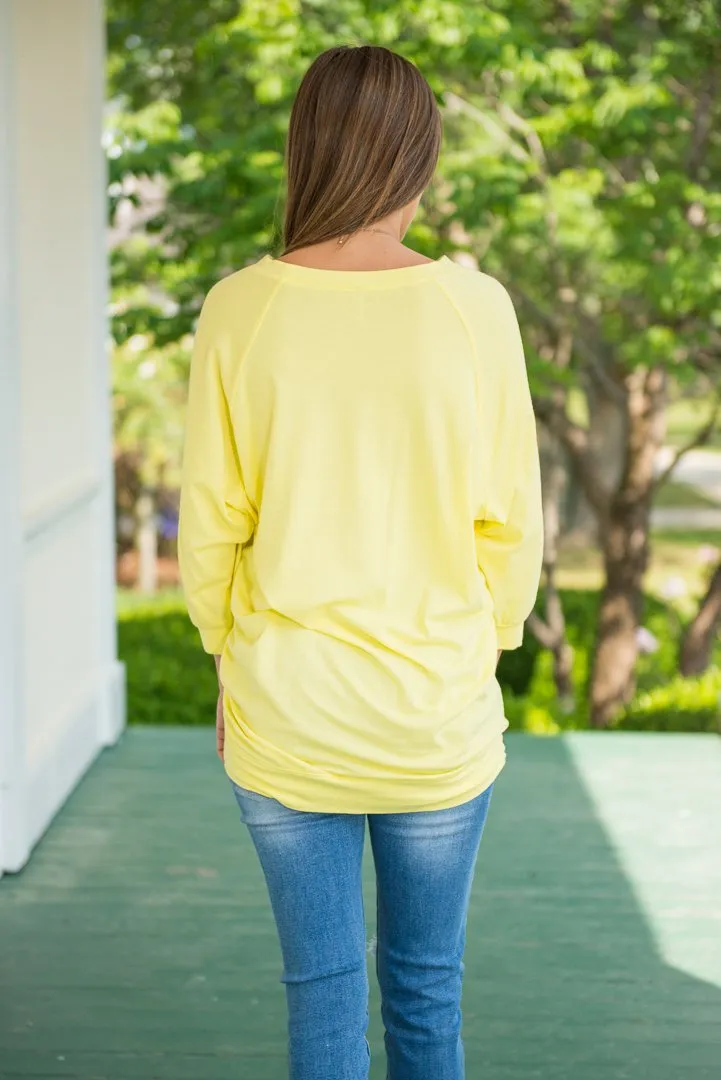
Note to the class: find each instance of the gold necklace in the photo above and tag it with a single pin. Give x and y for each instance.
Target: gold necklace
(381, 232)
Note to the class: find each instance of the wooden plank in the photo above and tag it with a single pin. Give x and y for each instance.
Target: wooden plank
(139, 944)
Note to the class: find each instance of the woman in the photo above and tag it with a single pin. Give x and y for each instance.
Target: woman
(360, 536)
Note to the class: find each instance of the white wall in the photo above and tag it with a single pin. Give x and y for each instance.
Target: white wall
(61, 689)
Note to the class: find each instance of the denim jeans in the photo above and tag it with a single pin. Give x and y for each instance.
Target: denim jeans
(424, 864)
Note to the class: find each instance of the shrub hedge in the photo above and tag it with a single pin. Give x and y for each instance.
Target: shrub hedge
(170, 680)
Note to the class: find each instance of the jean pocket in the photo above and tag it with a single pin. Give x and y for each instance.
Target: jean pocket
(257, 809)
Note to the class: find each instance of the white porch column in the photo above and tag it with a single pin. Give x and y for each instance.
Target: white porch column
(61, 688)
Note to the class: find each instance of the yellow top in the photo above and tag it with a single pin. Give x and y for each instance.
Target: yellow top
(360, 528)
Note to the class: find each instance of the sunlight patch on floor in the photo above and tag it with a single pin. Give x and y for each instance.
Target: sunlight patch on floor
(659, 802)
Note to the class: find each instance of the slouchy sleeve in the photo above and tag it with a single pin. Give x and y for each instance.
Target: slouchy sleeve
(509, 535)
(216, 517)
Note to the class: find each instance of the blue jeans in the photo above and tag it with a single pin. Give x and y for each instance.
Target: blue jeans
(424, 864)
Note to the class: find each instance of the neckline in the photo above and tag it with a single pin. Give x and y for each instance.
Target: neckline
(325, 276)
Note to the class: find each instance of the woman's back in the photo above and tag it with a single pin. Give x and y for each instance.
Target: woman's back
(369, 486)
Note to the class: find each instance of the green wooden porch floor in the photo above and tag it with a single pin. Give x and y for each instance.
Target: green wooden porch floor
(138, 943)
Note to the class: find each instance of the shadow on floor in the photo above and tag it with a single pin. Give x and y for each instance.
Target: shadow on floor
(139, 944)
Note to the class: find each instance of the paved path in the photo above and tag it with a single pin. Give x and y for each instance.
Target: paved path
(138, 944)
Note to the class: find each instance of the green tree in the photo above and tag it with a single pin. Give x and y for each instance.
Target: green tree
(588, 156)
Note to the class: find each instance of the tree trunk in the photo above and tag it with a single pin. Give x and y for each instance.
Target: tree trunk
(699, 638)
(147, 544)
(606, 442)
(625, 542)
(625, 556)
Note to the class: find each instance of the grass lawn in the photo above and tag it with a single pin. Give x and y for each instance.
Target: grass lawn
(684, 418)
(677, 495)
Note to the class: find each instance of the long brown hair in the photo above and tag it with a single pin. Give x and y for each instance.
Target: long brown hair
(364, 139)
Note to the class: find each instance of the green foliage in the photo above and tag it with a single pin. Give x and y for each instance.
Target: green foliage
(692, 704)
(581, 161)
(516, 668)
(663, 701)
(576, 157)
(172, 681)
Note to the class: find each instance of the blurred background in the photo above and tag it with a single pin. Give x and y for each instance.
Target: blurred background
(581, 166)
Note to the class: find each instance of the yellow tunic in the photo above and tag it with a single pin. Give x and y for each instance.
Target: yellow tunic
(360, 528)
